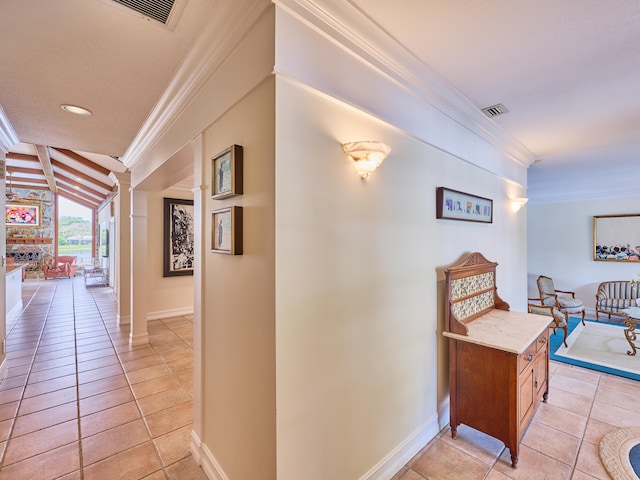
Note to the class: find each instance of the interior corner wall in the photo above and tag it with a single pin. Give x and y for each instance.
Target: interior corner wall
(560, 245)
(362, 366)
(238, 311)
(167, 296)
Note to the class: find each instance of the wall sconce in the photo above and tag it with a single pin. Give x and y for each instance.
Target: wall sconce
(366, 156)
(518, 203)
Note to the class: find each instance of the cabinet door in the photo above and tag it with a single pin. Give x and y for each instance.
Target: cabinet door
(526, 393)
(541, 371)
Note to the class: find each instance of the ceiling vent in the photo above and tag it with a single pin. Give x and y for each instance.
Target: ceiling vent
(156, 9)
(495, 110)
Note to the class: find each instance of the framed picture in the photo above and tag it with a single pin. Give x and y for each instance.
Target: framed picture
(616, 238)
(226, 175)
(104, 239)
(455, 205)
(178, 237)
(22, 215)
(226, 231)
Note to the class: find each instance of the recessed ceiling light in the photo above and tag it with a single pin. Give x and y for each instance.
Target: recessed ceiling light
(75, 109)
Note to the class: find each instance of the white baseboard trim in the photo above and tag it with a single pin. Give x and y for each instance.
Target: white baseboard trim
(135, 340)
(400, 456)
(123, 320)
(206, 460)
(195, 447)
(443, 413)
(176, 312)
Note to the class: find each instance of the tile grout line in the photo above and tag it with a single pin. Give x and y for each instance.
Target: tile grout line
(135, 399)
(78, 416)
(26, 381)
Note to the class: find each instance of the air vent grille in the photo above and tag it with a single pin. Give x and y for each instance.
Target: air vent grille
(157, 9)
(495, 110)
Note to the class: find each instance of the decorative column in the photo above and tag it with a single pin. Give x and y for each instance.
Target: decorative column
(138, 331)
(199, 293)
(122, 246)
(3, 266)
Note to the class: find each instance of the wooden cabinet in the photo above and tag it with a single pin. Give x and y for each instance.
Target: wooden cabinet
(498, 359)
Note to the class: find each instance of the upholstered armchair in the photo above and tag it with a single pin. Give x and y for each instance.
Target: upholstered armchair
(559, 320)
(70, 261)
(65, 266)
(565, 301)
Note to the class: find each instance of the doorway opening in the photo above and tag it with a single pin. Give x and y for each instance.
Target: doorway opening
(75, 231)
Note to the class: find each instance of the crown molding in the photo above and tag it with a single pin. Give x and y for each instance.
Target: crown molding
(342, 22)
(8, 136)
(229, 23)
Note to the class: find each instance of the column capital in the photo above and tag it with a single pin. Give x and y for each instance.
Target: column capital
(121, 178)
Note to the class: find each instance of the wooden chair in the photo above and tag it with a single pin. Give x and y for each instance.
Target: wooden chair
(559, 320)
(562, 300)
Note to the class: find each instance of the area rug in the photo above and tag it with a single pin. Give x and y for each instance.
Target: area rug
(599, 346)
(619, 453)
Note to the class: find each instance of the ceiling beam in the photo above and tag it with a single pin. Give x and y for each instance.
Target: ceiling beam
(31, 187)
(72, 183)
(76, 173)
(83, 160)
(74, 198)
(31, 171)
(22, 156)
(15, 180)
(45, 161)
(78, 195)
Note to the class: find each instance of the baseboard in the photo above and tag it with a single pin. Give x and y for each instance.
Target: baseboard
(176, 312)
(135, 340)
(205, 459)
(400, 456)
(123, 319)
(444, 414)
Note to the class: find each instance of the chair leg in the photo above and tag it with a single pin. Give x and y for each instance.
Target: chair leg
(583, 324)
(566, 330)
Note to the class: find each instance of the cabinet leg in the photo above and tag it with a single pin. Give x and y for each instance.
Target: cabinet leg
(514, 461)
(454, 431)
(545, 395)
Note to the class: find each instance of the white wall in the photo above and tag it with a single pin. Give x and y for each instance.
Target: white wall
(560, 245)
(238, 318)
(361, 362)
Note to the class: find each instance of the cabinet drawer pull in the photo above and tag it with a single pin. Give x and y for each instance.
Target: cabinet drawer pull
(529, 357)
(543, 340)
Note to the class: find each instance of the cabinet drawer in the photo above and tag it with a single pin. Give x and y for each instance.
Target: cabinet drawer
(542, 341)
(526, 358)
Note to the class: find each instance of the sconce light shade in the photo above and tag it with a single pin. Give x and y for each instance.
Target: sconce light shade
(518, 203)
(366, 156)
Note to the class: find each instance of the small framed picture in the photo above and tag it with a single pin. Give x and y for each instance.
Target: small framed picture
(455, 205)
(226, 231)
(226, 175)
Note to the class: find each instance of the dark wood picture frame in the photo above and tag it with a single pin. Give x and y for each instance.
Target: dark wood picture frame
(226, 231)
(226, 173)
(455, 205)
(178, 238)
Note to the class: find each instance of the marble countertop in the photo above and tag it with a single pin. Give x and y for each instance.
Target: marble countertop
(508, 331)
(12, 267)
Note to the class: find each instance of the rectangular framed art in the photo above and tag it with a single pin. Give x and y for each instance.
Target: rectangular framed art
(616, 238)
(455, 205)
(226, 174)
(226, 231)
(22, 215)
(178, 237)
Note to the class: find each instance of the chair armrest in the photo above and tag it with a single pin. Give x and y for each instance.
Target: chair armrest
(573, 294)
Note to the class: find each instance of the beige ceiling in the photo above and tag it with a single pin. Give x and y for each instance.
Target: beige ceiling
(568, 71)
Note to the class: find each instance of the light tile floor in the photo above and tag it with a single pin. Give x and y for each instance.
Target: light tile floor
(77, 402)
(561, 442)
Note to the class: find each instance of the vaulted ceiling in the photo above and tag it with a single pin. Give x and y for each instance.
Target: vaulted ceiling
(567, 72)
